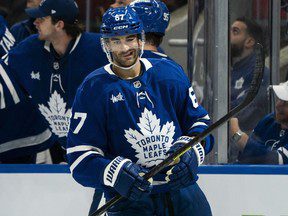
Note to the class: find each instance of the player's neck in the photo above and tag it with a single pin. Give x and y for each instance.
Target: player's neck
(60, 43)
(128, 74)
(150, 47)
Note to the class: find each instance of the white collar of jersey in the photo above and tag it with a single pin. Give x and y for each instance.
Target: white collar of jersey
(147, 64)
(47, 44)
(160, 54)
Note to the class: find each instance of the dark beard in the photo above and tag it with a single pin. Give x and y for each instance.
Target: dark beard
(236, 50)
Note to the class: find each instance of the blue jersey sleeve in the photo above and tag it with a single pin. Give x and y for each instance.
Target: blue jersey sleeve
(12, 77)
(265, 145)
(11, 92)
(7, 41)
(86, 142)
(23, 131)
(193, 118)
(255, 152)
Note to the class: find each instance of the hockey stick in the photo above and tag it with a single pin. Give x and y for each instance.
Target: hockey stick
(252, 92)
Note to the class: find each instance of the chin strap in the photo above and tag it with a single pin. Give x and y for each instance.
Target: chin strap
(124, 68)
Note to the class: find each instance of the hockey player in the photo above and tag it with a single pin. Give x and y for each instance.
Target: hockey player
(7, 41)
(155, 17)
(268, 144)
(126, 119)
(48, 67)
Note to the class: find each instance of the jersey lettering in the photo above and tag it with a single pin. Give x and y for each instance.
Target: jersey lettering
(193, 97)
(7, 41)
(82, 117)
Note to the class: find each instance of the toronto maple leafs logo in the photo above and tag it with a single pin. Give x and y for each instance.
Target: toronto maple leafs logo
(56, 114)
(152, 142)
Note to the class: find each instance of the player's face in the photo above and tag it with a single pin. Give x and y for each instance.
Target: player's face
(32, 3)
(282, 111)
(238, 36)
(125, 50)
(45, 28)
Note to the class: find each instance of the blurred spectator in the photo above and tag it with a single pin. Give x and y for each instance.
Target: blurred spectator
(48, 68)
(121, 3)
(268, 144)
(23, 29)
(245, 33)
(7, 40)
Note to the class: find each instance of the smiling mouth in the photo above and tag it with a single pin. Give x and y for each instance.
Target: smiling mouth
(127, 54)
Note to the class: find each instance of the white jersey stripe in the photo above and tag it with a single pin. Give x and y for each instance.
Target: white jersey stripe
(2, 98)
(84, 148)
(205, 117)
(26, 142)
(9, 85)
(198, 124)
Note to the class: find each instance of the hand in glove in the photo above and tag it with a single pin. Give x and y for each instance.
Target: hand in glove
(184, 173)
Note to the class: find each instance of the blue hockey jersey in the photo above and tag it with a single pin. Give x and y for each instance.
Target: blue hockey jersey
(137, 119)
(241, 77)
(268, 144)
(152, 54)
(7, 40)
(34, 69)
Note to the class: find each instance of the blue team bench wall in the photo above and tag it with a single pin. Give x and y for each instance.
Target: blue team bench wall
(206, 169)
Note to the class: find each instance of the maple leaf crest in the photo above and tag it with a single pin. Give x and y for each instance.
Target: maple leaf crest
(56, 114)
(151, 142)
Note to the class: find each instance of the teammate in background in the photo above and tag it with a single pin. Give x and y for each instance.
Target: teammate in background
(245, 33)
(268, 144)
(7, 40)
(23, 29)
(155, 17)
(127, 117)
(48, 67)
